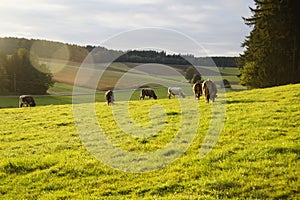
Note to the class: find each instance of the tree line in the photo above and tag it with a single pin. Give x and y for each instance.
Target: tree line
(151, 56)
(271, 55)
(44, 48)
(177, 59)
(76, 53)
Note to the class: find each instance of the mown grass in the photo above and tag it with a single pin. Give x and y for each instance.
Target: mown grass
(256, 156)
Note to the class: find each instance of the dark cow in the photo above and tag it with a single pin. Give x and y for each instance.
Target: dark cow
(173, 91)
(109, 96)
(26, 100)
(209, 89)
(197, 90)
(148, 92)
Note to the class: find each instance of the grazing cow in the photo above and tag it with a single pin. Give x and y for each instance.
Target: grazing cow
(209, 89)
(26, 100)
(197, 90)
(148, 92)
(175, 91)
(109, 96)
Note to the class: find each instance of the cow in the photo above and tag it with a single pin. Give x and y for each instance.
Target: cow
(197, 88)
(148, 92)
(109, 96)
(173, 91)
(26, 100)
(209, 89)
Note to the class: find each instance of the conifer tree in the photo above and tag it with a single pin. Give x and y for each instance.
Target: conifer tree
(271, 55)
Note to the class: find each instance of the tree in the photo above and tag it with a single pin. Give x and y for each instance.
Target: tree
(271, 57)
(226, 83)
(189, 73)
(4, 78)
(29, 77)
(196, 78)
(249, 75)
(192, 74)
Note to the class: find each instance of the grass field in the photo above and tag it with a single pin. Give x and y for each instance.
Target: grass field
(62, 94)
(65, 72)
(256, 156)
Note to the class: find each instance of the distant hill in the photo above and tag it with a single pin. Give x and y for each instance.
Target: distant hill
(76, 53)
(45, 49)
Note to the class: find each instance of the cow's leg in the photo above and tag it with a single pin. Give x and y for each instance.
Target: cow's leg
(213, 99)
(112, 101)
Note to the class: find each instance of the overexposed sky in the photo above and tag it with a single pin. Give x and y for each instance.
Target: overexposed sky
(215, 24)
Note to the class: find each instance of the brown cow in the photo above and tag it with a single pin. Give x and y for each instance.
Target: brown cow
(148, 92)
(26, 100)
(209, 89)
(109, 96)
(197, 90)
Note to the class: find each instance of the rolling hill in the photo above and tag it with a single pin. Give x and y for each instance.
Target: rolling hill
(255, 157)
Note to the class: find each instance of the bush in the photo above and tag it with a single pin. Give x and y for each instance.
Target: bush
(226, 83)
(196, 78)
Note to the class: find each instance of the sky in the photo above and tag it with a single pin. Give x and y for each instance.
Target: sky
(215, 25)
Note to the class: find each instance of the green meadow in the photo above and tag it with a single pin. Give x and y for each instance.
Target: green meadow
(62, 94)
(64, 75)
(256, 156)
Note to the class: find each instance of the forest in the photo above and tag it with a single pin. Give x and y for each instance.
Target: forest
(21, 72)
(271, 55)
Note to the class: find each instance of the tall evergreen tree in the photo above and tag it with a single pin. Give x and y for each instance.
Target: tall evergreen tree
(271, 56)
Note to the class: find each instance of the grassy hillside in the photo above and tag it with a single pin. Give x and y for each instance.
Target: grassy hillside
(65, 72)
(256, 156)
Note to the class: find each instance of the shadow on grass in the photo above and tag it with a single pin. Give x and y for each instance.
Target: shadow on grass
(248, 101)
